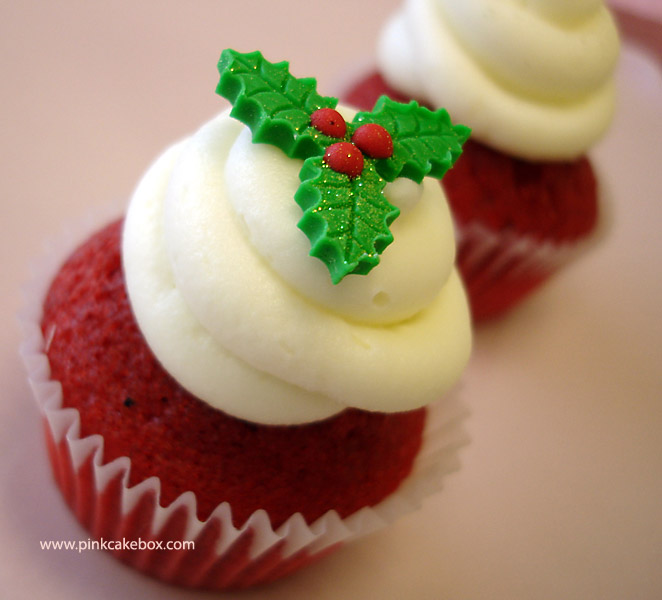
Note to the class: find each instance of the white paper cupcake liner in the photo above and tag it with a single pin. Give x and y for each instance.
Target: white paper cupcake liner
(500, 268)
(224, 556)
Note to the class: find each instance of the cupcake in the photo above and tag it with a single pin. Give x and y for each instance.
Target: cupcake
(535, 82)
(253, 365)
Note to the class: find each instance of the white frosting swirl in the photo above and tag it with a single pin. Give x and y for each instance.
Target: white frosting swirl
(232, 305)
(532, 78)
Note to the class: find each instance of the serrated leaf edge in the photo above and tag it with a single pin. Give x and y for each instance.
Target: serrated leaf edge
(328, 247)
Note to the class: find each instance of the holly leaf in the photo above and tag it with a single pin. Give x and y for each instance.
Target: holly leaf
(347, 220)
(275, 105)
(425, 142)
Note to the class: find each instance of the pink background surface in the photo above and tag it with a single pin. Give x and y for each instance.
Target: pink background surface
(558, 495)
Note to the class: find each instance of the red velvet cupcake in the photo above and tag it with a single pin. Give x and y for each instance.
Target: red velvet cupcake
(204, 436)
(535, 84)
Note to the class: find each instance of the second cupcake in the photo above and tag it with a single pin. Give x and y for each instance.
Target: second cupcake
(535, 82)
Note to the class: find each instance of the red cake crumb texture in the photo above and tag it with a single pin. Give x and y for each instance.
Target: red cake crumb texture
(554, 201)
(109, 374)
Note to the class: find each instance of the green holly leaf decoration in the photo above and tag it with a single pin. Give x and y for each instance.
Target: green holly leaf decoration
(275, 105)
(347, 221)
(425, 142)
(345, 213)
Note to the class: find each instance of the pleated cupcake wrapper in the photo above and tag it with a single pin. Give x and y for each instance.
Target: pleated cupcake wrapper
(494, 262)
(506, 254)
(224, 556)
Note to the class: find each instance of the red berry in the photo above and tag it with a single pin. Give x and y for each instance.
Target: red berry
(345, 158)
(373, 140)
(329, 121)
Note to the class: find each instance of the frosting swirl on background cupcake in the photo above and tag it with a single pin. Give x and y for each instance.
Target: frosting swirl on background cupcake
(534, 79)
(232, 305)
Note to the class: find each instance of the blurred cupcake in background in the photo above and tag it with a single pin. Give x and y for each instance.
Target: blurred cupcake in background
(535, 83)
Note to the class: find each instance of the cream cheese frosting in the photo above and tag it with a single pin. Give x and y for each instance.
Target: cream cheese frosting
(534, 78)
(228, 299)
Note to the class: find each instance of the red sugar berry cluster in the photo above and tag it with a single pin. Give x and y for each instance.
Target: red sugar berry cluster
(370, 139)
